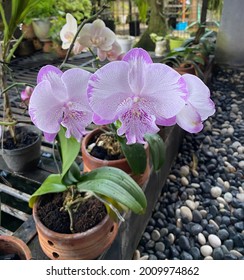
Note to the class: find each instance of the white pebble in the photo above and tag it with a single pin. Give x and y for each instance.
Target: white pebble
(208, 258)
(186, 212)
(212, 222)
(240, 196)
(216, 192)
(214, 240)
(195, 173)
(236, 253)
(201, 238)
(184, 170)
(171, 238)
(204, 213)
(228, 197)
(241, 164)
(240, 150)
(191, 204)
(184, 181)
(206, 250)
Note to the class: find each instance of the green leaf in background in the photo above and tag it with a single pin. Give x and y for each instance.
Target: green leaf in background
(135, 155)
(115, 184)
(69, 148)
(52, 184)
(157, 150)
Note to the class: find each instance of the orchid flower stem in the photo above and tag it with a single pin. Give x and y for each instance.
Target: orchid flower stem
(8, 123)
(54, 157)
(14, 85)
(70, 66)
(78, 31)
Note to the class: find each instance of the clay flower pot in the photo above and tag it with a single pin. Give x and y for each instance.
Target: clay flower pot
(11, 245)
(186, 69)
(91, 162)
(87, 245)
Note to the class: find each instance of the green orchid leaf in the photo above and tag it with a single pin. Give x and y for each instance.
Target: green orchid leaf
(116, 185)
(135, 155)
(157, 150)
(72, 176)
(52, 184)
(69, 148)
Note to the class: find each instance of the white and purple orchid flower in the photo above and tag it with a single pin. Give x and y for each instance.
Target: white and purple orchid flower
(142, 94)
(61, 99)
(198, 106)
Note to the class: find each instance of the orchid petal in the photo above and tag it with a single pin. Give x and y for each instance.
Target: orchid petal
(53, 75)
(115, 52)
(45, 70)
(76, 121)
(166, 122)
(189, 119)
(199, 96)
(68, 31)
(49, 137)
(138, 60)
(45, 109)
(164, 90)
(75, 81)
(108, 88)
(135, 124)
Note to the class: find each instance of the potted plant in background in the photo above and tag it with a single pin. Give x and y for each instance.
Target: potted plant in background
(160, 44)
(20, 145)
(40, 18)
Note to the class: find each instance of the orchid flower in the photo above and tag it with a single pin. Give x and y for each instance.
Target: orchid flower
(198, 106)
(68, 31)
(60, 99)
(97, 35)
(112, 54)
(137, 92)
(26, 94)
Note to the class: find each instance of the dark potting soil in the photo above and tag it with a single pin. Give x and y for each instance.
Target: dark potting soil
(23, 138)
(102, 152)
(88, 214)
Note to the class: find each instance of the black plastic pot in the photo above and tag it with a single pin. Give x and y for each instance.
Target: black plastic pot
(134, 26)
(110, 24)
(25, 158)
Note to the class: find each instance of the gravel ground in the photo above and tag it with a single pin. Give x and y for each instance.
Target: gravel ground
(200, 214)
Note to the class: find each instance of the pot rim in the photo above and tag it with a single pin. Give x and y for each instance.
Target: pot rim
(84, 148)
(48, 232)
(25, 127)
(19, 243)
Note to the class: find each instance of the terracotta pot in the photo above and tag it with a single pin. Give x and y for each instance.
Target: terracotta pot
(91, 162)
(14, 245)
(186, 69)
(78, 246)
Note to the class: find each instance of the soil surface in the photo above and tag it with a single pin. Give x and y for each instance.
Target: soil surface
(88, 214)
(105, 147)
(23, 138)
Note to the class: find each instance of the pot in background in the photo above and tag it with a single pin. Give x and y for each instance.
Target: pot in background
(11, 245)
(90, 162)
(126, 42)
(25, 158)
